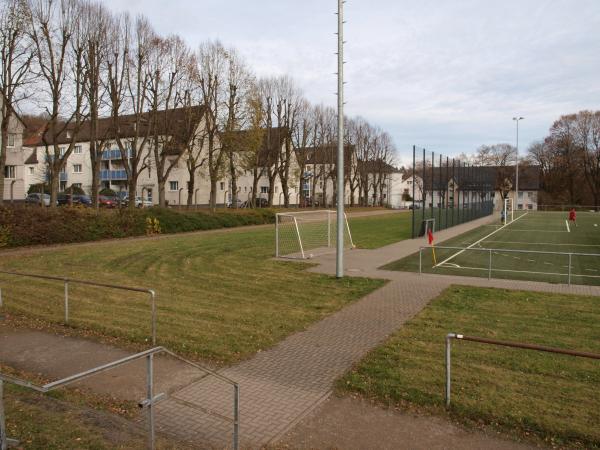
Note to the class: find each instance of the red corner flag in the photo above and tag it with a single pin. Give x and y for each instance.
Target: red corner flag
(430, 236)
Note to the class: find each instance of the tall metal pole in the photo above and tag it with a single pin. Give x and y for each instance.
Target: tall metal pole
(339, 271)
(517, 119)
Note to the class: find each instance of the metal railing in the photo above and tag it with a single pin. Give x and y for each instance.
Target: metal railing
(148, 403)
(491, 251)
(67, 281)
(539, 348)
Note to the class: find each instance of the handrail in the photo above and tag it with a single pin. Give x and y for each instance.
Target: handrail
(522, 345)
(67, 281)
(148, 403)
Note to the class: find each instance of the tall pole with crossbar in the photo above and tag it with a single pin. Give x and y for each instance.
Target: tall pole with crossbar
(339, 270)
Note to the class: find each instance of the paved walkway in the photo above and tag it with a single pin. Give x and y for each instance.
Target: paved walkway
(281, 386)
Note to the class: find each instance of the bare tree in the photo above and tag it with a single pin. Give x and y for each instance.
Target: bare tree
(96, 22)
(15, 75)
(127, 86)
(212, 62)
(59, 49)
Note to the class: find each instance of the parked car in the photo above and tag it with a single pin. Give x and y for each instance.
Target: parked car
(77, 200)
(36, 199)
(414, 206)
(105, 201)
(143, 203)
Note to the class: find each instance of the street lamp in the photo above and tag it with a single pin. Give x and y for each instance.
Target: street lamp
(517, 119)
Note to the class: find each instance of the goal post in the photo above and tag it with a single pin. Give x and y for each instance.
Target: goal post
(508, 211)
(305, 234)
(426, 225)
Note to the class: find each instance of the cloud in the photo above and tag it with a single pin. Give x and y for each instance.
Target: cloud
(445, 75)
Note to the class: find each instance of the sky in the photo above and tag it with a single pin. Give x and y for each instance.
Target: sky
(448, 76)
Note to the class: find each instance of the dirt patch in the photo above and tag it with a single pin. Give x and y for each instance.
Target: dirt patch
(352, 423)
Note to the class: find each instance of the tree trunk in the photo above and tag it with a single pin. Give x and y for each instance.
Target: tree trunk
(213, 194)
(132, 192)
(191, 189)
(254, 187)
(162, 201)
(54, 184)
(3, 148)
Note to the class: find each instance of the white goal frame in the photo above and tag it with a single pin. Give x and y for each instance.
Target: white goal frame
(508, 209)
(293, 221)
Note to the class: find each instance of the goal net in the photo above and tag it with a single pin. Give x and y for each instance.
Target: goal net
(306, 234)
(508, 212)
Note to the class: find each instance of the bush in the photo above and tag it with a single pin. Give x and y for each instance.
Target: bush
(75, 190)
(37, 188)
(21, 225)
(108, 192)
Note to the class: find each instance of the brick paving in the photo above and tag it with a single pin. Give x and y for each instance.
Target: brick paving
(282, 385)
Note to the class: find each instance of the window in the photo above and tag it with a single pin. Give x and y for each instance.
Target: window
(77, 150)
(222, 185)
(530, 206)
(264, 189)
(11, 140)
(77, 168)
(245, 188)
(276, 189)
(409, 182)
(9, 172)
(31, 170)
(173, 185)
(62, 151)
(76, 185)
(520, 194)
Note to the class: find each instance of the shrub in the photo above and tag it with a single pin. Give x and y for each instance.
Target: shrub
(21, 225)
(108, 192)
(37, 188)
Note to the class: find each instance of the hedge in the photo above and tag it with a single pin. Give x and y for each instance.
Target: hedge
(22, 226)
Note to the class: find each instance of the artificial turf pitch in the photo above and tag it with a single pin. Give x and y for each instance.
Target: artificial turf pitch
(545, 242)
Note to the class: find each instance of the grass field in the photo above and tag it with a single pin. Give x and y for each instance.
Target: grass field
(553, 397)
(221, 296)
(532, 233)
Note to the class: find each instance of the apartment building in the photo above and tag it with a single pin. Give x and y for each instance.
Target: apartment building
(14, 173)
(175, 140)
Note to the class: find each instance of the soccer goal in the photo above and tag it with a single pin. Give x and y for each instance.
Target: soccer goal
(508, 212)
(426, 225)
(305, 234)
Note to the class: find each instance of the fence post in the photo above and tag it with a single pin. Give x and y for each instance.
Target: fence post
(150, 399)
(153, 306)
(448, 368)
(420, 260)
(490, 266)
(66, 302)
(236, 416)
(328, 229)
(570, 255)
(276, 235)
(3, 437)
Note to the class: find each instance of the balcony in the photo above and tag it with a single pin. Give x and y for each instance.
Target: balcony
(110, 155)
(63, 176)
(113, 175)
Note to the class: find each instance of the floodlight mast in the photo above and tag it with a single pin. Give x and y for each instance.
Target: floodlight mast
(517, 119)
(339, 269)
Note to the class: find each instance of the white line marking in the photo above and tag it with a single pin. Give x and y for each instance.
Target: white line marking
(480, 240)
(567, 224)
(542, 243)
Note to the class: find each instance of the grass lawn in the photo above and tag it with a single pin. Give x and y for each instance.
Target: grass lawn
(552, 397)
(221, 297)
(378, 231)
(531, 233)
